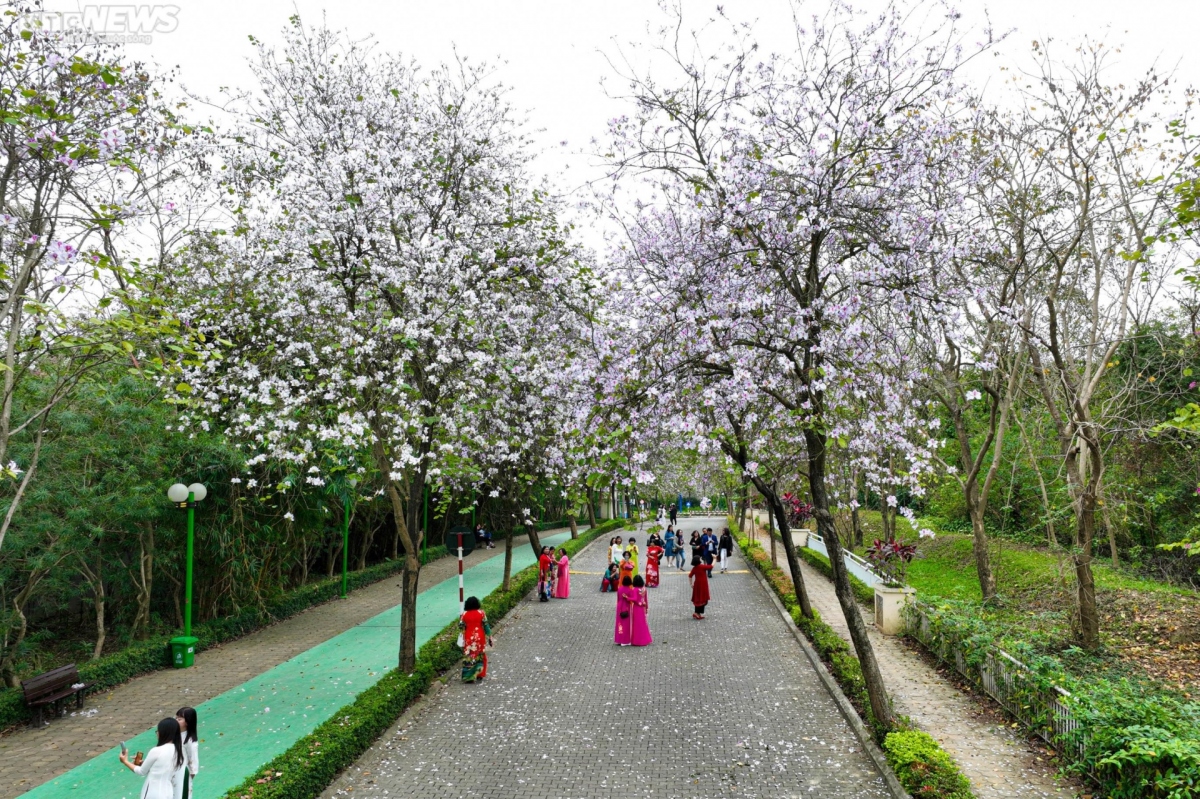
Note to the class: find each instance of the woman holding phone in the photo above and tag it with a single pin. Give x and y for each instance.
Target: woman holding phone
(186, 716)
(163, 765)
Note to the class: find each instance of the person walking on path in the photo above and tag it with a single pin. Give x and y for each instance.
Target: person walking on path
(653, 555)
(697, 544)
(626, 596)
(669, 545)
(632, 549)
(726, 549)
(674, 514)
(641, 607)
(699, 579)
(186, 718)
(476, 636)
(562, 583)
(679, 560)
(163, 765)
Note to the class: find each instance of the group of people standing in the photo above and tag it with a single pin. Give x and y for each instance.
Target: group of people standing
(554, 580)
(632, 627)
(554, 575)
(171, 766)
(709, 548)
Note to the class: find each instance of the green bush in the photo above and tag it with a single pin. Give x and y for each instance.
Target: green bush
(1134, 737)
(153, 654)
(306, 769)
(923, 767)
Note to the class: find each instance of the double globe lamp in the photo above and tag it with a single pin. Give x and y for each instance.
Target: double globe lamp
(183, 647)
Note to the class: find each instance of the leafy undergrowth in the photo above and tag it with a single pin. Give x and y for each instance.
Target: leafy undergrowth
(1152, 625)
(1134, 699)
(923, 767)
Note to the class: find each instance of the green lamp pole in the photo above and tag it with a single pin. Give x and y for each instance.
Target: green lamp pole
(183, 648)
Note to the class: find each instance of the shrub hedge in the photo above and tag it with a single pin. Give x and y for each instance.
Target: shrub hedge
(306, 769)
(153, 654)
(933, 767)
(923, 767)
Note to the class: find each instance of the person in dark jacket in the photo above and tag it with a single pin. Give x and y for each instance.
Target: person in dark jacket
(725, 547)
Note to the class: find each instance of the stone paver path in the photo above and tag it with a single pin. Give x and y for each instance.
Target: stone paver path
(29, 758)
(725, 707)
(995, 758)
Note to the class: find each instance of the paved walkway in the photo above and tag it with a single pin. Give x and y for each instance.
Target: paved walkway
(725, 707)
(995, 758)
(321, 636)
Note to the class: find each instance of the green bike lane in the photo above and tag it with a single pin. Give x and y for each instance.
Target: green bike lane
(244, 728)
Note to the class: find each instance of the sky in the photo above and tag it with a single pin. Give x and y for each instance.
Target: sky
(553, 53)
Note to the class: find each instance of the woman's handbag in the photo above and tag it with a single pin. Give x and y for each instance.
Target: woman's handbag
(624, 614)
(461, 643)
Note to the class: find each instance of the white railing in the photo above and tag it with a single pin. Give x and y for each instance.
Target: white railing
(1000, 675)
(854, 564)
(1010, 683)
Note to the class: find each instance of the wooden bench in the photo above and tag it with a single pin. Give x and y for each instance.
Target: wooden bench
(50, 689)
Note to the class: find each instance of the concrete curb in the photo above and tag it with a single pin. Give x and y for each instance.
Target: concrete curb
(848, 712)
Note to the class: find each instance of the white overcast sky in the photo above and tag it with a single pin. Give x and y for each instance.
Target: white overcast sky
(552, 49)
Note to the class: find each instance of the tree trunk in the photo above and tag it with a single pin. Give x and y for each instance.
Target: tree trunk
(1085, 531)
(771, 529)
(789, 547)
(143, 581)
(855, 519)
(14, 634)
(367, 539)
(398, 491)
(591, 508)
(979, 544)
(1051, 538)
(535, 541)
(508, 544)
(1108, 525)
(574, 526)
(98, 598)
(881, 707)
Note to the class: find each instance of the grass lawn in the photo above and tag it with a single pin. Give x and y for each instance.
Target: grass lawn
(1150, 624)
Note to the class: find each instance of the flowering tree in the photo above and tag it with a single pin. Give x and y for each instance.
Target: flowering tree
(789, 234)
(88, 148)
(383, 243)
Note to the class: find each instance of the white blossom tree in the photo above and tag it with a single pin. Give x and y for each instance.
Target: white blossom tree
(383, 234)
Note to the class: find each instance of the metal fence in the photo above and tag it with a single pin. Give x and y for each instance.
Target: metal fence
(1009, 681)
(854, 564)
(1004, 678)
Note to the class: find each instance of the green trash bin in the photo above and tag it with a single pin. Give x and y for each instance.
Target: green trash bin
(183, 651)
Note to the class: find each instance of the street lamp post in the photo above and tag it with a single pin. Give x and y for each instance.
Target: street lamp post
(183, 648)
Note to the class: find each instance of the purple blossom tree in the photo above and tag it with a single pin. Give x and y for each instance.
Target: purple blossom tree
(786, 234)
